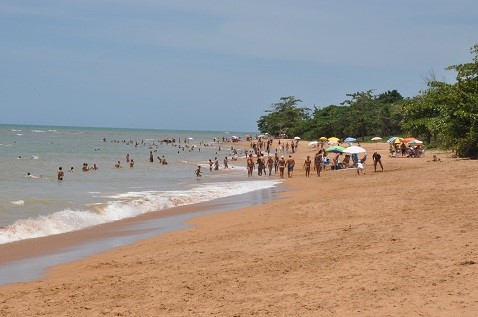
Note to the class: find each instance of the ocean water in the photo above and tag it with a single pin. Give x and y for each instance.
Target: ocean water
(35, 207)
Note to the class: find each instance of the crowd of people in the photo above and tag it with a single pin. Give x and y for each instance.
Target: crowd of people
(267, 156)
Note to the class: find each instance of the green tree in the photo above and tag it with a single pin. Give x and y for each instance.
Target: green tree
(284, 117)
(363, 115)
(448, 113)
(328, 121)
(460, 108)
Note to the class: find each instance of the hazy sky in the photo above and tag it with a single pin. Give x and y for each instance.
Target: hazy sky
(216, 65)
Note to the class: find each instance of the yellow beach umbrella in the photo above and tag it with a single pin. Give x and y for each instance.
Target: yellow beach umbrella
(322, 138)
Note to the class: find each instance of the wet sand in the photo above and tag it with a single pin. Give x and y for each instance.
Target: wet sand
(398, 243)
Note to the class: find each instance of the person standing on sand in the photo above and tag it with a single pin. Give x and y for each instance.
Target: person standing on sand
(318, 162)
(60, 173)
(307, 164)
(377, 159)
(290, 166)
(359, 167)
(281, 166)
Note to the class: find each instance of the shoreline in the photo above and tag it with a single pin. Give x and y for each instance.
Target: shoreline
(75, 245)
(401, 242)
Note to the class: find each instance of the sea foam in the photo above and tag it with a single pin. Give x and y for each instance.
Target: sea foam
(124, 205)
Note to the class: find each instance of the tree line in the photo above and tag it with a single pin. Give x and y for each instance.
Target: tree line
(443, 115)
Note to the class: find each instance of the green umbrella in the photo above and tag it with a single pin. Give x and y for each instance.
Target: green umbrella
(335, 149)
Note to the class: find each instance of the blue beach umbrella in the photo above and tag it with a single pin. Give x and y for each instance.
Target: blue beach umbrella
(393, 138)
(350, 139)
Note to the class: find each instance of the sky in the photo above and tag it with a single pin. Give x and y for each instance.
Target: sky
(216, 65)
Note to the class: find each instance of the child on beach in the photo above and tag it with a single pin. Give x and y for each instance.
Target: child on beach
(359, 167)
(198, 171)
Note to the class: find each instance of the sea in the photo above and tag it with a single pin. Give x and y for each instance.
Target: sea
(42, 205)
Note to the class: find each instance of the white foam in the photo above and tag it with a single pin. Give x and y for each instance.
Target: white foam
(124, 205)
(18, 202)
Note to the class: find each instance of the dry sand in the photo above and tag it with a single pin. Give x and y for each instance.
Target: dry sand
(398, 243)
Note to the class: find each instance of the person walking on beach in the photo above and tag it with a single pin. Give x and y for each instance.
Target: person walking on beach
(250, 165)
(307, 164)
(377, 159)
(225, 162)
(60, 173)
(270, 164)
(260, 165)
(276, 162)
(281, 166)
(318, 162)
(290, 166)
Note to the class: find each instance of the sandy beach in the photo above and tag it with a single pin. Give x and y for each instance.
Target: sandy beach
(398, 243)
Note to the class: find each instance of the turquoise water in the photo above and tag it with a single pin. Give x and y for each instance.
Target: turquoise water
(34, 207)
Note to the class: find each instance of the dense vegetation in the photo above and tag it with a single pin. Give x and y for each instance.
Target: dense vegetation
(444, 115)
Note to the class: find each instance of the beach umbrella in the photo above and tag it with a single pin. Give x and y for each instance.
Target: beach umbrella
(376, 138)
(261, 136)
(415, 142)
(323, 138)
(296, 138)
(313, 143)
(335, 149)
(397, 140)
(354, 150)
(190, 139)
(392, 139)
(406, 140)
(350, 139)
(333, 140)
